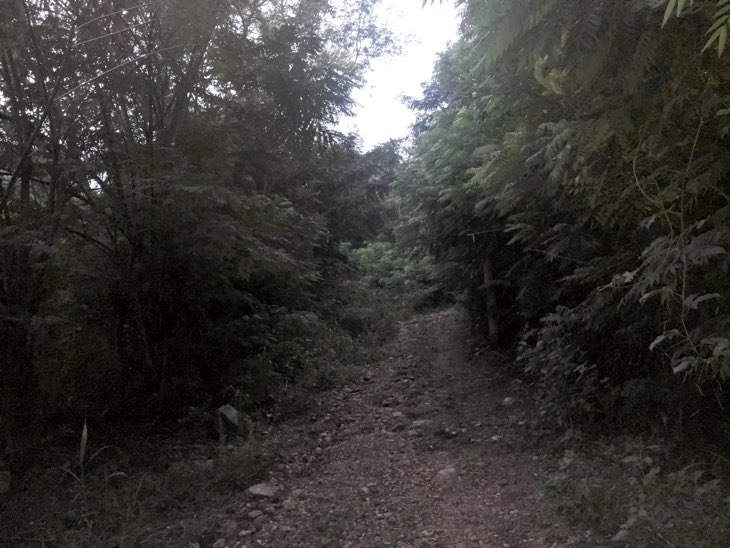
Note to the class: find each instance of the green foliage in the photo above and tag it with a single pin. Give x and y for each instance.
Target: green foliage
(633, 494)
(575, 150)
(127, 494)
(383, 265)
(409, 281)
(172, 201)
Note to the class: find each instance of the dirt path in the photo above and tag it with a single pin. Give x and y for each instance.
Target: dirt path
(414, 455)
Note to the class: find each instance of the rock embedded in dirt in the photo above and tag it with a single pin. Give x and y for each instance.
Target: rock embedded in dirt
(260, 521)
(422, 410)
(253, 514)
(448, 432)
(228, 527)
(421, 423)
(508, 402)
(231, 414)
(445, 475)
(264, 490)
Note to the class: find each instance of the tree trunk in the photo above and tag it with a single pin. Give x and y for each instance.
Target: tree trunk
(491, 298)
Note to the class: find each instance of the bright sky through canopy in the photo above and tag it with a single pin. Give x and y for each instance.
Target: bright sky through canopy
(425, 31)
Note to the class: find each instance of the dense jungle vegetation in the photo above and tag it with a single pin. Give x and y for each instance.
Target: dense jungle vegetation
(178, 213)
(182, 228)
(570, 177)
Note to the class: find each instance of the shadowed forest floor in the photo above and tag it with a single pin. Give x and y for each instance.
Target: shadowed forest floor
(423, 450)
(433, 444)
(416, 454)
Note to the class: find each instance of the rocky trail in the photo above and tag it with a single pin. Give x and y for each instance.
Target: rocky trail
(427, 448)
(417, 454)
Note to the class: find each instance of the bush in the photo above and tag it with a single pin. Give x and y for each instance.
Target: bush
(632, 493)
(408, 282)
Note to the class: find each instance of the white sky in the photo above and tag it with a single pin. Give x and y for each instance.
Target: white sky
(381, 115)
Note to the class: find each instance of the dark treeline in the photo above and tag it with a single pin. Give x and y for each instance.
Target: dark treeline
(570, 176)
(174, 200)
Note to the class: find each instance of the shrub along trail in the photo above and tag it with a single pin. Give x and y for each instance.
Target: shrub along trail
(418, 453)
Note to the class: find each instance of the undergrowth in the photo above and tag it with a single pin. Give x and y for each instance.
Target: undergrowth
(627, 488)
(633, 492)
(124, 503)
(101, 487)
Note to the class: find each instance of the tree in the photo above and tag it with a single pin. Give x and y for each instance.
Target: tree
(171, 189)
(576, 146)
